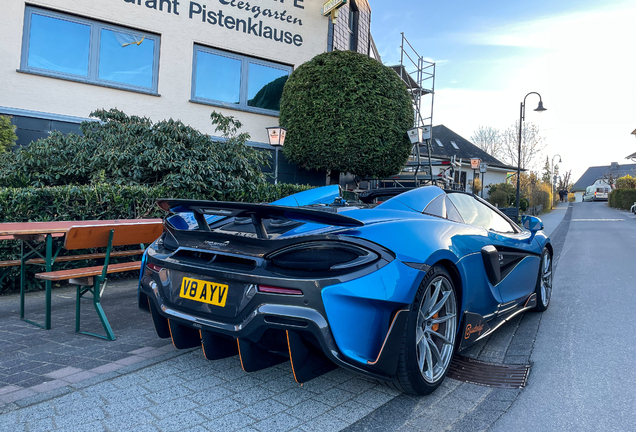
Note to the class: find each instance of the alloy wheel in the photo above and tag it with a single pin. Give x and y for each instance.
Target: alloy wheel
(436, 329)
(546, 279)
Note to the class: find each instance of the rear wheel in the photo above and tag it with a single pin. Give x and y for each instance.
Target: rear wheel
(429, 341)
(544, 282)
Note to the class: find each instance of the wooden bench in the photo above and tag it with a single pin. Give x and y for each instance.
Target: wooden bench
(90, 279)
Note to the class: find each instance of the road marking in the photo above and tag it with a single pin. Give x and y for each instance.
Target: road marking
(597, 220)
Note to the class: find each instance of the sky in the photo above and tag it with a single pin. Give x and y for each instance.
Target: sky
(579, 55)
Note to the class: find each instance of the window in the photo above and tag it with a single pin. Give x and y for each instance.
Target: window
(353, 26)
(79, 49)
(454, 144)
(236, 81)
(439, 143)
(475, 213)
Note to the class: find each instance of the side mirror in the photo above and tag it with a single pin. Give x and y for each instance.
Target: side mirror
(532, 224)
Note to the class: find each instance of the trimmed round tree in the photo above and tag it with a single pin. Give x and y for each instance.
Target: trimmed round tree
(346, 112)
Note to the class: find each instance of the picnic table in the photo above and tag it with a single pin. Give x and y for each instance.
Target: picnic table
(37, 240)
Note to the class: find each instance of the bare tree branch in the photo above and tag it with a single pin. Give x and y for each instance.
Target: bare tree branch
(489, 140)
(532, 143)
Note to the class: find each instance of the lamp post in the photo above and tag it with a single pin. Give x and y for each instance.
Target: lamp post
(522, 116)
(554, 178)
(276, 136)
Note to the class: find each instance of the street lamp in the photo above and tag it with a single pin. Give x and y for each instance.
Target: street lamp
(553, 178)
(276, 136)
(522, 116)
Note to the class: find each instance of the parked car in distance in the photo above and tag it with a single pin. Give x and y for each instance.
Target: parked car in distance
(390, 291)
(596, 193)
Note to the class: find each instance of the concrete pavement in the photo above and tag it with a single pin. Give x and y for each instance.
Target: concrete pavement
(583, 359)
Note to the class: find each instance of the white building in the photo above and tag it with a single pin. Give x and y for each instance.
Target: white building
(62, 59)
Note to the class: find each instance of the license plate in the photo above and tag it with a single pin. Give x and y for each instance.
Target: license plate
(203, 291)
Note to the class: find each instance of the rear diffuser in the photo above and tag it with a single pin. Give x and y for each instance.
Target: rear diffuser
(160, 322)
(216, 347)
(182, 336)
(307, 361)
(254, 358)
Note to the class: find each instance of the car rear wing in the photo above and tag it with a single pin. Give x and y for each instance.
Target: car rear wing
(257, 212)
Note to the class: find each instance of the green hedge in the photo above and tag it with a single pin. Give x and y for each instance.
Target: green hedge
(100, 202)
(622, 198)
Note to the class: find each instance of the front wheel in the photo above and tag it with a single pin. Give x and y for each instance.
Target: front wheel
(429, 341)
(544, 282)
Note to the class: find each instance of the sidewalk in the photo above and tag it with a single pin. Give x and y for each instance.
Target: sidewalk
(552, 220)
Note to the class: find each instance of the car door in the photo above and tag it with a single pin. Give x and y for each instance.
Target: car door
(518, 257)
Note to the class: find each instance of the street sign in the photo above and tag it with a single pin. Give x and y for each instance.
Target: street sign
(474, 163)
(426, 132)
(483, 167)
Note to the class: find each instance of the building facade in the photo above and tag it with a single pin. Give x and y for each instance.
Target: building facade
(62, 59)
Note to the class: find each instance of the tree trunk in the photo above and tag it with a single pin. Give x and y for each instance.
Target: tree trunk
(334, 177)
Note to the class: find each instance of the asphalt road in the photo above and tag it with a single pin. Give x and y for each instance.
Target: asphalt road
(584, 356)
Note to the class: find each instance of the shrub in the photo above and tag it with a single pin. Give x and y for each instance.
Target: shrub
(498, 198)
(504, 194)
(626, 182)
(131, 150)
(101, 201)
(346, 112)
(622, 198)
(7, 134)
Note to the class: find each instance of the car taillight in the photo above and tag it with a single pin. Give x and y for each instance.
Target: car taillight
(154, 267)
(322, 255)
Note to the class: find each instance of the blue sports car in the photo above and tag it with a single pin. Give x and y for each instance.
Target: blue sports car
(390, 290)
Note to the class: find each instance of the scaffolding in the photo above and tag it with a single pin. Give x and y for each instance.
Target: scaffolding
(419, 76)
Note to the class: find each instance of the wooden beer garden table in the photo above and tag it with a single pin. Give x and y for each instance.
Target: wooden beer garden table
(35, 235)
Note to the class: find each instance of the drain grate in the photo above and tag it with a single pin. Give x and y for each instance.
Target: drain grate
(488, 374)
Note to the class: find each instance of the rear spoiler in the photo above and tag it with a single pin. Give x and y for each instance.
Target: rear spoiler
(257, 212)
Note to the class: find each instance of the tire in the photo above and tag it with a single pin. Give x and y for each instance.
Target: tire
(429, 341)
(543, 288)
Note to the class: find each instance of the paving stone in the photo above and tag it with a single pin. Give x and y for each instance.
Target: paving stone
(253, 395)
(293, 396)
(229, 422)
(278, 423)
(125, 422)
(350, 411)
(180, 421)
(358, 385)
(61, 373)
(324, 423)
(308, 410)
(126, 361)
(126, 406)
(339, 375)
(16, 395)
(9, 389)
(373, 398)
(264, 409)
(219, 408)
(334, 396)
(203, 383)
(129, 380)
(425, 424)
(95, 426)
(163, 383)
(42, 425)
(72, 418)
(169, 394)
(231, 373)
(247, 382)
(48, 386)
(172, 407)
(211, 395)
(81, 376)
(108, 367)
(121, 394)
(320, 384)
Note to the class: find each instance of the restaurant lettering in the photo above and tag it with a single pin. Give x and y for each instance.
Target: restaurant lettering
(252, 25)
